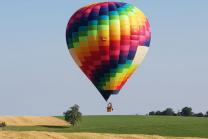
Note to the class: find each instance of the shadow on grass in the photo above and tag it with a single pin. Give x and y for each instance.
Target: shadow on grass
(56, 127)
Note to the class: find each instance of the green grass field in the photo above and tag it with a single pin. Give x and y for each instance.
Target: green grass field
(151, 125)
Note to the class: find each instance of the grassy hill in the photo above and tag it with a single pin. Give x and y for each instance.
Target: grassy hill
(151, 125)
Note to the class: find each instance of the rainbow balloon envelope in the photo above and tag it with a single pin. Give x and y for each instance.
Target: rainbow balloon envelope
(108, 41)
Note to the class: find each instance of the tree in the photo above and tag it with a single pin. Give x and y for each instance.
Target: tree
(186, 111)
(152, 113)
(73, 116)
(158, 113)
(178, 113)
(206, 114)
(169, 112)
(2, 125)
(199, 114)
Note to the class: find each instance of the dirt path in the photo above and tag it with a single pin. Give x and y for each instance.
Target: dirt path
(32, 121)
(52, 135)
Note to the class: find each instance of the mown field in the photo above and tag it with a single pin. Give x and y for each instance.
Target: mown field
(149, 125)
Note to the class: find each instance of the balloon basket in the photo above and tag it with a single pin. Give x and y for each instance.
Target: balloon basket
(109, 107)
(109, 110)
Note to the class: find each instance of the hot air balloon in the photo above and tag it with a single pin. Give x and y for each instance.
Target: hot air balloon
(108, 41)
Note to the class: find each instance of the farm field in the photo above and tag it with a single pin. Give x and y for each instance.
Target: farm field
(33, 121)
(54, 135)
(146, 125)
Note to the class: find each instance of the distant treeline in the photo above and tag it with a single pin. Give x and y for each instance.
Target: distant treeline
(186, 111)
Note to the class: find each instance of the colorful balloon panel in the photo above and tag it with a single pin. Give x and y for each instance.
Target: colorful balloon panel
(108, 41)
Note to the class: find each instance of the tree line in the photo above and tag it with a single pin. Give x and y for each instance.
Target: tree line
(186, 111)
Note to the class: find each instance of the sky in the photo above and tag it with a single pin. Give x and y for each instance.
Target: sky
(39, 77)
